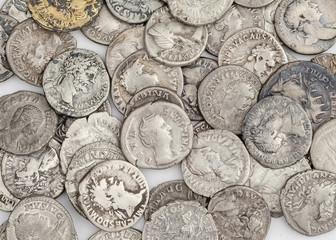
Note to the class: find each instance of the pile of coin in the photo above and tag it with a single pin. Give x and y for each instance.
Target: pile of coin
(264, 146)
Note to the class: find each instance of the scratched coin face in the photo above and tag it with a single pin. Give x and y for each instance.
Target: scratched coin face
(17, 9)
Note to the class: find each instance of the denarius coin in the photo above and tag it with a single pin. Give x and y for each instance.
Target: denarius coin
(306, 26)
(253, 3)
(240, 213)
(327, 60)
(37, 217)
(113, 195)
(126, 234)
(308, 202)
(30, 48)
(76, 82)
(171, 42)
(17, 9)
(254, 49)
(218, 160)
(60, 15)
(139, 71)
(269, 14)
(201, 127)
(198, 12)
(157, 135)
(3, 229)
(226, 95)
(181, 220)
(277, 132)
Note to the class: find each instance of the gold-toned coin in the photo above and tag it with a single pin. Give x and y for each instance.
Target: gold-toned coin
(64, 15)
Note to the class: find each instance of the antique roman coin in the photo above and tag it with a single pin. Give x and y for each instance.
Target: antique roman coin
(240, 213)
(30, 48)
(60, 15)
(226, 95)
(126, 234)
(157, 135)
(327, 60)
(306, 26)
(37, 217)
(113, 195)
(139, 71)
(202, 126)
(277, 132)
(181, 220)
(3, 229)
(308, 202)
(171, 42)
(254, 49)
(76, 82)
(17, 9)
(217, 160)
(269, 14)
(253, 3)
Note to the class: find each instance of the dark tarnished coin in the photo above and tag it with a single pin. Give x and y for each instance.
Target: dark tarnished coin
(76, 82)
(30, 48)
(17, 9)
(253, 3)
(277, 132)
(308, 202)
(113, 195)
(201, 127)
(38, 217)
(240, 213)
(126, 234)
(327, 60)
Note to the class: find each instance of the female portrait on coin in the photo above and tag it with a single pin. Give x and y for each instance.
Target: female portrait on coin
(17, 9)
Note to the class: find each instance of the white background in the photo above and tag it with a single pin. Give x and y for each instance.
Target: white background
(279, 229)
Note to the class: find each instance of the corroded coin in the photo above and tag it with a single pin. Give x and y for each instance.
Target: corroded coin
(156, 135)
(217, 160)
(171, 42)
(277, 132)
(253, 3)
(308, 202)
(327, 60)
(17, 9)
(201, 127)
(76, 82)
(126, 234)
(30, 48)
(240, 213)
(226, 95)
(60, 15)
(113, 195)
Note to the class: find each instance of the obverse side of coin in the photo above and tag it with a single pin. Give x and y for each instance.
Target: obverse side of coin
(202, 126)
(76, 82)
(277, 132)
(327, 60)
(240, 213)
(253, 3)
(17, 9)
(126, 234)
(171, 42)
(30, 48)
(157, 135)
(113, 195)
(254, 49)
(308, 202)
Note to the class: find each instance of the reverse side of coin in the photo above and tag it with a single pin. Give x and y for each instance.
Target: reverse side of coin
(126, 234)
(17, 9)
(327, 60)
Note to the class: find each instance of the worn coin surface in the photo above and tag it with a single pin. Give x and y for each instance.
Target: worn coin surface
(277, 132)
(226, 95)
(217, 160)
(30, 48)
(308, 202)
(253, 3)
(60, 15)
(3, 229)
(76, 82)
(126, 234)
(157, 135)
(240, 213)
(181, 220)
(201, 127)
(254, 49)
(113, 195)
(139, 71)
(171, 42)
(327, 60)
(37, 217)
(269, 14)
(17, 9)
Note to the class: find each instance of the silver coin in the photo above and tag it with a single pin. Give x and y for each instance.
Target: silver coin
(226, 95)
(198, 12)
(240, 213)
(168, 192)
(201, 127)
(171, 42)
(76, 82)
(308, 202)
(105, 28)
(277, 132)
(327, 60)
(180, 220)
(139, 71)
(126, 234)
(113, 195)
(17, 9)
(218, 160)
(38, 217)
(83, 161)
(157, 135)
(30, 48)
(254, 49)
(3, 229)
(27, 122)
(234, 20)
(253, 3)
(269, 14)
(150, 95)
(306, 27)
